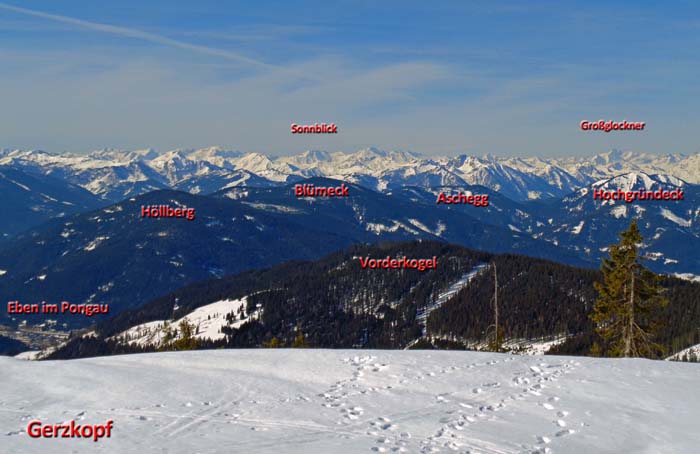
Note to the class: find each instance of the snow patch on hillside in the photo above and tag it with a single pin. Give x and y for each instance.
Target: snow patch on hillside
(668, 214)
(619, 211)
(94, 243)
(533, 346)
(577, 229)
(687, 277)
(439, 229)
(378, 228)
(273, 208)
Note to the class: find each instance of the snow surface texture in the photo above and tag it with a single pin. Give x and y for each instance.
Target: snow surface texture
(321, 401)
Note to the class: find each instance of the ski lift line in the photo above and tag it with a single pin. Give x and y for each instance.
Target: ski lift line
(423, 313)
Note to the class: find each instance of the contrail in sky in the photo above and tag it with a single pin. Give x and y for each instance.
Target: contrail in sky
(145, 36)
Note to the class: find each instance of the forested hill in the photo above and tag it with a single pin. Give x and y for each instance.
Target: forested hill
(540, 299)
(335, 303)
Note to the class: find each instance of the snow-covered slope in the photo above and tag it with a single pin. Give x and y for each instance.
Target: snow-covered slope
(689, 354)
(321, 401)
(207, 321)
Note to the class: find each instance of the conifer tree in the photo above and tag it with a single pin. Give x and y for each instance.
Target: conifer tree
(169, 335)
(273, 343)
(299, 341)
(629, 297)
(187, 341)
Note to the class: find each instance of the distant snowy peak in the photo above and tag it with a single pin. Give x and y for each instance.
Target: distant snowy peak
(308, 158)
(110, 156)
(517, 178)
(627, 182)
(176, 166)
(255, 162)
(635, 181)
(615, 162)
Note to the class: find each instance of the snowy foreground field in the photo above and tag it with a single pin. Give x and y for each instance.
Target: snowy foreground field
(322, 401)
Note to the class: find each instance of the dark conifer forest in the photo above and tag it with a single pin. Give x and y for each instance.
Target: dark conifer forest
(334, 303)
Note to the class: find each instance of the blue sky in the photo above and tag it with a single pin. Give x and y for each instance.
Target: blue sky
(506, 78)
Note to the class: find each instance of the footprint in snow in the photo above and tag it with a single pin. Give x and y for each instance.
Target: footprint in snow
(353, 413)
(383, 424)
(521, 380)
(544, 440)
(543, 450)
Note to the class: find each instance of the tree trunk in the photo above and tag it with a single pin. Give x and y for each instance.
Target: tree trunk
(629, 333)
(496, 343)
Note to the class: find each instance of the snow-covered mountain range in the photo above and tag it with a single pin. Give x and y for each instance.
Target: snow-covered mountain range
(537, 207)
(115, 174)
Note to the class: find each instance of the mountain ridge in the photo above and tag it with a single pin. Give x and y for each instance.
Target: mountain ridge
(112, 174)
(133, 259)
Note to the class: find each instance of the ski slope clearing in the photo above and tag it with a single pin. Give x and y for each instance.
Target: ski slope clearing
(442, 298)
(321, 401)
(207, 321)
